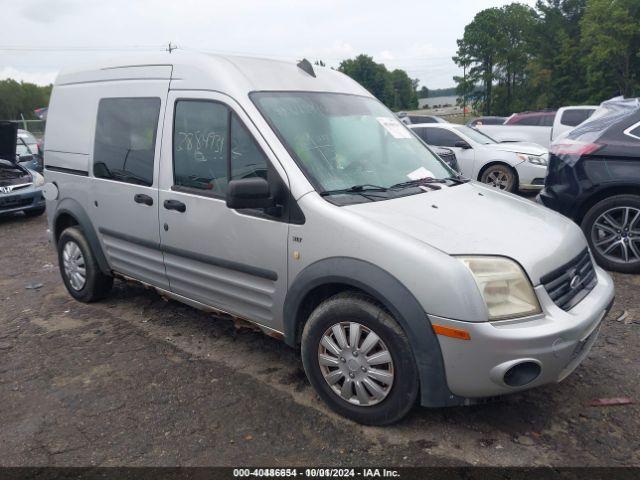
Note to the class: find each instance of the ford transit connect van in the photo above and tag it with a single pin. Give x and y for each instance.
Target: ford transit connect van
(286, 195)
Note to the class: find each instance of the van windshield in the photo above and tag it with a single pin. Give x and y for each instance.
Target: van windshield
(341, 141)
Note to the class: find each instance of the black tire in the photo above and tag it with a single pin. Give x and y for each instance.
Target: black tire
(356, 307)
(505, 171)
(34, 212)
(97, 284)
(587, 225)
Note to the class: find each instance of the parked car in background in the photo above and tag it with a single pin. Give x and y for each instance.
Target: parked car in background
(20, 188)
(486, 121)
(28, 151)
(567, 118)
(594, 179)
(409, 119)
(507, 166)
(287, 195)
(543, 118)
(537, 127)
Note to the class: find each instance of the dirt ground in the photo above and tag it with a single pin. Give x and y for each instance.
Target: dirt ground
(136, 380)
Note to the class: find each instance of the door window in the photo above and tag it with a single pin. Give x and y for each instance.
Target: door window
(125, 139)
(201, 154)
(247, 160)
(200, 137)
(442, 137)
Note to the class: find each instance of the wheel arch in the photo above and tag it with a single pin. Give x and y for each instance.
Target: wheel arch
(602, 194)
(499, 162)
(333, 275)
(70, 213)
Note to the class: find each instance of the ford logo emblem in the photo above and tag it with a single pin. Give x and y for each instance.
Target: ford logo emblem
(575, 281)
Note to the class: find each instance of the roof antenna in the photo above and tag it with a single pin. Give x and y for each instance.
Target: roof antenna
(306, 66)
(171, 47)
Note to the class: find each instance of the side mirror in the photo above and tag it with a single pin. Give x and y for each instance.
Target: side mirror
(462, 144)
(249, 193)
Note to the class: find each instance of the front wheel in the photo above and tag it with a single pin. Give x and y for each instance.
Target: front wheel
(501, 177)
(79, 268)
(612, 228)
(359, 360)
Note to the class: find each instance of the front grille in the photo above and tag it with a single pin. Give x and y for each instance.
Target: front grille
(450, 159)
(15, 202)
(562, 286)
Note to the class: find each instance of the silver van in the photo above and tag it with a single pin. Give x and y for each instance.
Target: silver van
(286, 195)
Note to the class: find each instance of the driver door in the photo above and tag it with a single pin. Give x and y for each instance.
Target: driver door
(234, 261)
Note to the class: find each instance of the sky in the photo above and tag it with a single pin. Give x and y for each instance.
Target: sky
(39, 37)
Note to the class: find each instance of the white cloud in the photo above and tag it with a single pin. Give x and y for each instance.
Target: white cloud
(39, 78)
(420, 38)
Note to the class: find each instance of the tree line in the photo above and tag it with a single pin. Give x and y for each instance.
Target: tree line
(561, 52)
(21, 99)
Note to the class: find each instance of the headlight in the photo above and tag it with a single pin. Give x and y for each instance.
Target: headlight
(505, 287)
(542, 160)
(38, 180)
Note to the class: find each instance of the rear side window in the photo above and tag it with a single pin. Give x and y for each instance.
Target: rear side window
(442, 137)
(547, 120)
(125, 140)
(575, 117)
(202, 159)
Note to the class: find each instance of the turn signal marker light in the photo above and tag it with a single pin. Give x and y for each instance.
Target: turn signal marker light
(451, 332)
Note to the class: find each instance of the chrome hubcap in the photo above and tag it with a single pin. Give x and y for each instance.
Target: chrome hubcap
(497, 179)
(74, 266)
(356, 363)
(616, 234)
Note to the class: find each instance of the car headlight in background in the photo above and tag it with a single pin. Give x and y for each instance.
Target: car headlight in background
(542, 160)
(505, 287)
(38, 180)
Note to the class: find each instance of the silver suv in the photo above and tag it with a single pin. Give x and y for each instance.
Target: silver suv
(286, 195)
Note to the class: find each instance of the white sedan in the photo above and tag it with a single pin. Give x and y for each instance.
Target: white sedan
(507, 166)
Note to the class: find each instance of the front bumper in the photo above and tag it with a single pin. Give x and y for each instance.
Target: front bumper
(556, 340)
(531, 176)
(20, 200)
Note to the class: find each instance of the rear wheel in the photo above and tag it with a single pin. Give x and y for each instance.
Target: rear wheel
(500, 176)
(359, 360)
(79, 269)
(612, 227)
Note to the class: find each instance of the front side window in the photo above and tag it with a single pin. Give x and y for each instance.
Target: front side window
(125, 139)
(442, 137)
(340, 141)
(200, 138)
(201, 153)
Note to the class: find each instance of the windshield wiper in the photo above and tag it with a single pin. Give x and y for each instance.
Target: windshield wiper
(420, 182)
(458, 179)
(357, 189)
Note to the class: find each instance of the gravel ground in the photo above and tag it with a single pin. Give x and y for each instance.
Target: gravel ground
(137, 380)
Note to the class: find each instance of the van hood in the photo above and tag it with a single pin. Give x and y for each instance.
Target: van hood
(519, 147)
(472, 219)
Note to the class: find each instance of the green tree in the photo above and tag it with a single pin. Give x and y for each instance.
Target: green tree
(610, 34)
(21, 99)
(395, 89)
(423, 92)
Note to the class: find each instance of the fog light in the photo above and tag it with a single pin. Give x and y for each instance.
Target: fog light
(521, 374)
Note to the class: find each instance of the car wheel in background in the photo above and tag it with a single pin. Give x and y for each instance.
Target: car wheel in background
(34, 212)
(499, 176)
(359, 360)
(79, 269)
(612, 228)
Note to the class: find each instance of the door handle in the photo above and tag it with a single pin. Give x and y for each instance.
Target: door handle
(142, 198)
(175, 205)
